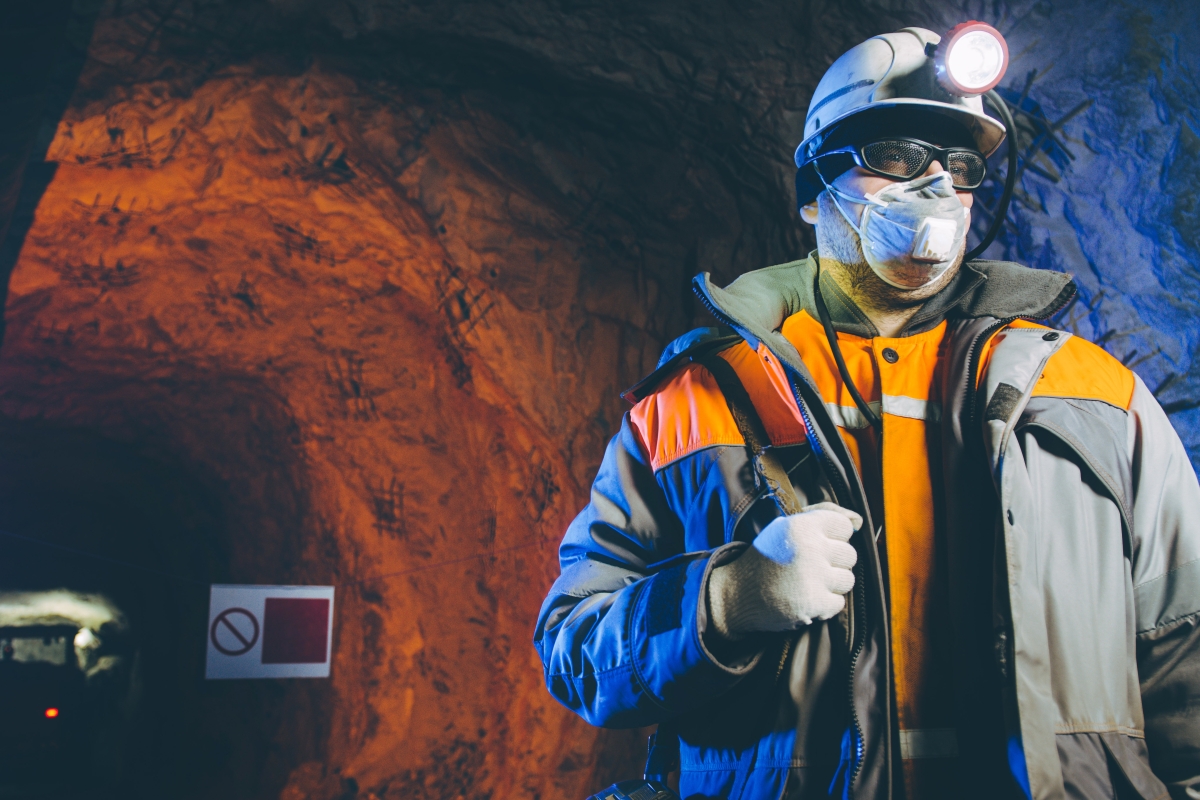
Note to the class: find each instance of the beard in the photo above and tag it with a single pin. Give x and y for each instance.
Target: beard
(840, 251)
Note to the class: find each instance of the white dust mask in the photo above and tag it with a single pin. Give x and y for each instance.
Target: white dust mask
(911, 232)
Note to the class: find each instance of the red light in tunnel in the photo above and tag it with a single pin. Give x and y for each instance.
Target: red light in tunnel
(51, 713)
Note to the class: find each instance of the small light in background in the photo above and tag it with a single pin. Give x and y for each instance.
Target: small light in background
(51, 713)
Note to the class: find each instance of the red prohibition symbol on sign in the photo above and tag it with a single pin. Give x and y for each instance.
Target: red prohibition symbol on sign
(223, 621)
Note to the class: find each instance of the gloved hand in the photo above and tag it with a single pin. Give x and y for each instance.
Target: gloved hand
(797, 570)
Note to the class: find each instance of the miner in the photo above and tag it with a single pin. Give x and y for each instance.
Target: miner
(886, 534)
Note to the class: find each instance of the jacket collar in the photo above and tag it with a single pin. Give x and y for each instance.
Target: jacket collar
(757, 303)
(848, 318)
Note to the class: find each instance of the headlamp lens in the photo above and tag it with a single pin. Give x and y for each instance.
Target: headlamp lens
(971, 59)
(976, 60)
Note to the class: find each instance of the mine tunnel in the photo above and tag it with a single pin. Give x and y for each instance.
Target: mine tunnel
(103, 688)
(346, 295)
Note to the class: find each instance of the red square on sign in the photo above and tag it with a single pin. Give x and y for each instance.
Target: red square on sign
(295, 630)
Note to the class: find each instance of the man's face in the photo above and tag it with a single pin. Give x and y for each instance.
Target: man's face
(837, 241)
(858, 182)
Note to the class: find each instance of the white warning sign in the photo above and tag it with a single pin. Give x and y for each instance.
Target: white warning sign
(269, 631)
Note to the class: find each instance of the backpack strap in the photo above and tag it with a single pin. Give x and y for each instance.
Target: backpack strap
(663, 747)
(750, 425)
(767, 465)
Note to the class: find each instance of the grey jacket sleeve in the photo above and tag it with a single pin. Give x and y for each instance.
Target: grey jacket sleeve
(1166, 577)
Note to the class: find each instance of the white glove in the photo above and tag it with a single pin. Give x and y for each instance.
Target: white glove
(797, 570)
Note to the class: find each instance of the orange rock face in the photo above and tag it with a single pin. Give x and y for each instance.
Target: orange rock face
(334, 320)
(257, 250)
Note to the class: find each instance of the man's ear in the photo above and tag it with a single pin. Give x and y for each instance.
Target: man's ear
(808, 213)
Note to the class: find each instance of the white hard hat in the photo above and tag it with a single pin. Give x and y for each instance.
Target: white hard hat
(893, 70)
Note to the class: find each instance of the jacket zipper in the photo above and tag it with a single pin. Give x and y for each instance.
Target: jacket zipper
(860, 607)
(860, 600)
(973, 366)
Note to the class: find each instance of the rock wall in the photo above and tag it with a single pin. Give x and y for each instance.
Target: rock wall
(1113, 199)
(346, 293)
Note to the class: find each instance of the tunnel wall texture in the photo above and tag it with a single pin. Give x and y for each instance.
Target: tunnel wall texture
(1124, 218)
(312, 293)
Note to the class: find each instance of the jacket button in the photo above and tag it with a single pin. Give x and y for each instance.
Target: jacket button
(890, 355)
(1010, 517)
(1052, 336)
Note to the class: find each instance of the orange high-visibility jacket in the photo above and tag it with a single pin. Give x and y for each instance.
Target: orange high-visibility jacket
(1062, 614)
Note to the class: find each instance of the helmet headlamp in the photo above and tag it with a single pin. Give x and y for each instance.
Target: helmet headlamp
(971, 59)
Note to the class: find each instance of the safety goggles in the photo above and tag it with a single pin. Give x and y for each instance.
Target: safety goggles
(903, 159)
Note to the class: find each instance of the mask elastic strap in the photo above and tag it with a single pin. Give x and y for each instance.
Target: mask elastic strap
(834, 194)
